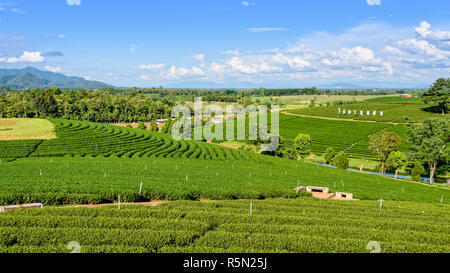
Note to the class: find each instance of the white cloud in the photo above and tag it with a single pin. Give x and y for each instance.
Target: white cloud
(176, 72)
(55, 69)
(424, 31)
(424, 48)
(374, 2)
(73, 2)
(151, 66)
(234, 52)
(16, 10)
(440, 38)
(266, 29)
(27, 57)
(133, 48)
(61, 36)
(246, 4)
(371, 52)
(198, 57)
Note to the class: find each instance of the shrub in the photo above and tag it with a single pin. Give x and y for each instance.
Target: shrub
(341, 160)
(142, 126)
(153, 126)
(417, 171)
(329, 155)
(302, 145)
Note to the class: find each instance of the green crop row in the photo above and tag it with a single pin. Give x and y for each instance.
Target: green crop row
(301, 225)
(75, 180)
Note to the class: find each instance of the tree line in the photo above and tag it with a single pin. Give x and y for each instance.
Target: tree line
(96, 106)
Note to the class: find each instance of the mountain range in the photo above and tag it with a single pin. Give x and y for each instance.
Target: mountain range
(30, 77)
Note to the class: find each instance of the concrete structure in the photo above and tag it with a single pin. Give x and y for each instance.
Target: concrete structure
(317, 189)
(344, 195)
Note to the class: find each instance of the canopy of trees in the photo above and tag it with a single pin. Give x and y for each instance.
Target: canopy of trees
(96, 106)
(430, 143)
(382, 144)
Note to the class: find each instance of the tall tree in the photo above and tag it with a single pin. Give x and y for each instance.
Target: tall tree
(439, 94)
(382, 144)
(302, 146)
(341, 160)
(397, 160)
(430, 142)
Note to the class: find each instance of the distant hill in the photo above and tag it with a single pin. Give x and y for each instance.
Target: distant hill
(31, 77)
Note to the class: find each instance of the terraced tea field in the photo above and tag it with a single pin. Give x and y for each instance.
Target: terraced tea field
(76, 180)
(351, 137)
(392, 111)
(303, 225)
(95, 139)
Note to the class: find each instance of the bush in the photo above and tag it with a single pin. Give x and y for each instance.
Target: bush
(302, 145)
(417, 172)
(329, 155)
(153, 126)
(341, 160)
(142, 126)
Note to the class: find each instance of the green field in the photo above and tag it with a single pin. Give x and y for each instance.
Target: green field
(68, 180)
(21, 128)
(349, 136)
(303, 225)
(92, 163)
(394, 110)
(94, 139)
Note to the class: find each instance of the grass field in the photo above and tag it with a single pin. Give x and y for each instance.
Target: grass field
(303, 225)
(75, 180)
(19, 129)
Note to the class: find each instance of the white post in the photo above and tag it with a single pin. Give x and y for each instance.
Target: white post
(251, 207)
(381, 203)
(298, 185)
(119, 201)
(140, 189)
(442, 199)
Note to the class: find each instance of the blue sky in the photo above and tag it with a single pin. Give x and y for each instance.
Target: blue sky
(283, 43)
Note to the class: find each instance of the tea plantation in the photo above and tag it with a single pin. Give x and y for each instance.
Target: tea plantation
(91, 163)
(303, 225)
(393, 111)
(67, 180)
